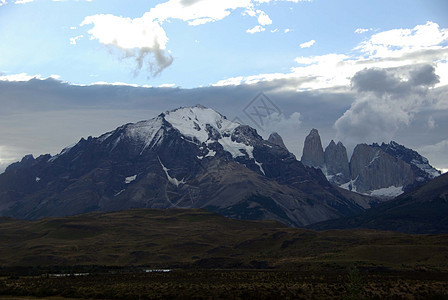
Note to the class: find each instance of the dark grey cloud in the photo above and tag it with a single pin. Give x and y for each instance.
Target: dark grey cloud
(388, 81)
(424, 75)
(44, 116)
(387, 101)
(378, 81)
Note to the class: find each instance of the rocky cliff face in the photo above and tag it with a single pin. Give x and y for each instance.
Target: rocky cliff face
(336, 163)
(420, 165)
(313, 153)
(276, 139)
(373, 169)
(382, 171)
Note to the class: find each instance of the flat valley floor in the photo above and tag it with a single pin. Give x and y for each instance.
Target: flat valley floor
(232, 284)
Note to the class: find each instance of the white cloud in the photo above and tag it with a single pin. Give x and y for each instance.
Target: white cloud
(263, 18)
(141, 38)
(255, 29)
(22, 1)
(167, 85)
(307, 44)
(25, 77)
(19, 77)
(116, 83)
(195, 11)
(75, 39)
(362, 30)
(287, 30)
(126, 33)
(8, 155)
(436, 154)
(397, 42)
(3, 2)
(336, 69)
(230, 81)
(145, 40)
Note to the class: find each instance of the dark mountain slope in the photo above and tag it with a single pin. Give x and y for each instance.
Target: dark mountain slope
(424, 210)
(184, 158)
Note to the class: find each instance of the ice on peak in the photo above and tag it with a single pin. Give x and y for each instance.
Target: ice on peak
(192, 122)
(236, 149)
(200, 106)
(143, 131)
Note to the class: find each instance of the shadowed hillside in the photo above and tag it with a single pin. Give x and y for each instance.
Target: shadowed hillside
(200, 239)
(422, 211)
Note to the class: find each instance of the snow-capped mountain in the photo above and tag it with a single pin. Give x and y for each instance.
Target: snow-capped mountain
(186, 158)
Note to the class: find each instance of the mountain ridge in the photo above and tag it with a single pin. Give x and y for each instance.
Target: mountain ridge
(187, 158)
(384, 171)
(423, 210)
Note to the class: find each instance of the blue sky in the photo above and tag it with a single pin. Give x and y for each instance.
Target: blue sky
(35, 38)
(359, 71)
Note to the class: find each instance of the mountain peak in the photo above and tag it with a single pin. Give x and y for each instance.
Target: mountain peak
(336, 163)
(184, 158)
(313, 153)
(426, 171)
(314, 132)
(197, 122)
(276, 139)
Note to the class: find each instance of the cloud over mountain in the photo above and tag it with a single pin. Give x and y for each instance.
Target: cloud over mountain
(386, 100)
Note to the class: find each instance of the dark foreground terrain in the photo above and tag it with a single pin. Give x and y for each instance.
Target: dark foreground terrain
(234, 284)
(210, 256)
(194, 238)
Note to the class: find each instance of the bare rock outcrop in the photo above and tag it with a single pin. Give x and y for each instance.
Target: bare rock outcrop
(372, 169)
(313, 153)
(336, 162)
(276, 139)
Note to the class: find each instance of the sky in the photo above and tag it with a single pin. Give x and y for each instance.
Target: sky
(358, 71)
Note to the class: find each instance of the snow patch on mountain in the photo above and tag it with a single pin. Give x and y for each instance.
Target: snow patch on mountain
(210, 153)
(260, 165)
(236, 149)
(351, 185)
(377, 155)
(129, 179)
(171, 179)
(117, 194)
(389, 192)
(426, 167)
